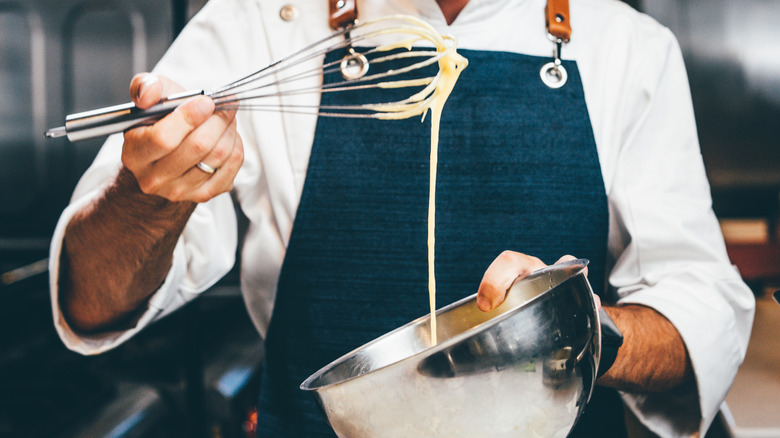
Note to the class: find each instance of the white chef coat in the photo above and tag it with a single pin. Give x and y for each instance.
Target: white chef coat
(665, 246)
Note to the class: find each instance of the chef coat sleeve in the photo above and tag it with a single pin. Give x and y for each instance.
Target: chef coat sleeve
(206, 249)
(667, 247)
(203, 254)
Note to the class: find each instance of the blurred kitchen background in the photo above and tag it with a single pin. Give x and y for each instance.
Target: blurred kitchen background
(195, 374)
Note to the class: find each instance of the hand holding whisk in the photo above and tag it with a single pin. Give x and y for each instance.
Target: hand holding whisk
(424, 63)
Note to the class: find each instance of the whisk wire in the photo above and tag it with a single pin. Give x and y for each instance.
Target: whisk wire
(366, 82)
(396, 50)
(274, 66)
(312, 51)
(331, 68)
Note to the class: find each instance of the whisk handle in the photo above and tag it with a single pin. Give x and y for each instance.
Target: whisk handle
(118, 118)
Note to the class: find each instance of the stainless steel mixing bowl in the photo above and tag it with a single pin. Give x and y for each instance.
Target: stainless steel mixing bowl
(525, 369)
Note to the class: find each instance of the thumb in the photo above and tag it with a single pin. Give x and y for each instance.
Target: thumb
(147, 89)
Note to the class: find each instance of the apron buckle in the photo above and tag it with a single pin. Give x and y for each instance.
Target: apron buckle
(553, 73)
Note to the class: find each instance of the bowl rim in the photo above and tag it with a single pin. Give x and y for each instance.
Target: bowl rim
(580, 263)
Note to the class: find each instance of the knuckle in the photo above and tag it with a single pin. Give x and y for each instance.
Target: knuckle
(238, 154)
(200, 147)
(227, 116)
(168, 146)
(129, 149)
(130, 136)
(221, 152)
(190, 119)
(489, 287)
(128, 162)
(149, 185)
(207, 192)
(163, 139)
(176, 194)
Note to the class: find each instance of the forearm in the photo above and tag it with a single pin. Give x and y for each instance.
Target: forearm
(653, 357)
(116, 253)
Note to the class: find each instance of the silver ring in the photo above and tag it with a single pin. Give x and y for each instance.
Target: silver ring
(354, 65)
(206, 168)
(553, 75)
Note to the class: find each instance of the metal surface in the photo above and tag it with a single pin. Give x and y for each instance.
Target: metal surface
(553, 74)
(48, 53)
(524, 369)
(733, 62)
(418, 76)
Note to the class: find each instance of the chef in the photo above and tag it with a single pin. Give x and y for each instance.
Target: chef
(600, 162)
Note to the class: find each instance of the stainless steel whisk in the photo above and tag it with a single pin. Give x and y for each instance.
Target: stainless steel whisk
(383, 40)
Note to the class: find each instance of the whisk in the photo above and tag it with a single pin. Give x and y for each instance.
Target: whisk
(414, 55)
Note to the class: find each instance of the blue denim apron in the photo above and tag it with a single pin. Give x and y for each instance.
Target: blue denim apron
(518, 169)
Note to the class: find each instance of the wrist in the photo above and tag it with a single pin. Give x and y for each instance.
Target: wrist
(653, 357)
(145, 208)
(126, 185)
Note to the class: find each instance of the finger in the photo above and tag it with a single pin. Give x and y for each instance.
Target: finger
(146, 144)
(178, 125)
(147, 89)
(500, 275)
(568, 258)
(222, 180)
(222, 152)
(210, 143)
(199, 186)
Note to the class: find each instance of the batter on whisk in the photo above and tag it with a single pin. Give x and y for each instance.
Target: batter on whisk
(548, 147)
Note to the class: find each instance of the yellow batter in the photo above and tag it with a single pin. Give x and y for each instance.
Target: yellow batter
(432, 97)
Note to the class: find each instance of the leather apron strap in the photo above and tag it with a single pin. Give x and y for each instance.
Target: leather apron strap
(342, 13)
(557, 19)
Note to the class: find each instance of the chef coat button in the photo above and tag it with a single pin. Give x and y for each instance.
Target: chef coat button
(288, 13)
